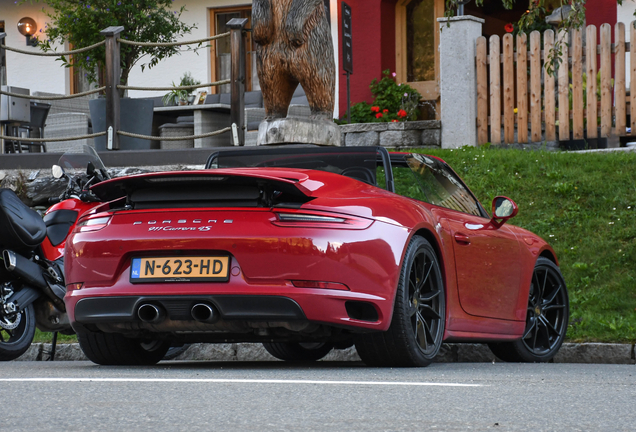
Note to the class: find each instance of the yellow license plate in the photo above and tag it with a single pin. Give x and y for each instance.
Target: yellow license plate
(180, 269)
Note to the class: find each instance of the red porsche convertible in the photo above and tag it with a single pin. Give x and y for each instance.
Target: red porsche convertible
(307, 249)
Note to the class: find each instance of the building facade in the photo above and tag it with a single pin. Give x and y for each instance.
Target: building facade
(401, 36)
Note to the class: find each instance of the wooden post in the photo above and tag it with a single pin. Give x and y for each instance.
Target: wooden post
(509, 89)
(619, 79)
(112, 76)
(482, 90)
(3, 79)
(577, 84)
(237, 47)
(3, 60)
(535, 86)
(590, 67)
(548, 79)
(495, 90)
(632, 76)
(606, 76)
(564, 87)
(522, 88)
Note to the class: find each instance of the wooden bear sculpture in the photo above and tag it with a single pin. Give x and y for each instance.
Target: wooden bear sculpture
(294, 46)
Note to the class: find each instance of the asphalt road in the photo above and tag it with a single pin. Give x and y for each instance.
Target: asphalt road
(326, 396)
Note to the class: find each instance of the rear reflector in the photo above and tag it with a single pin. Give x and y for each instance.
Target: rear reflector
(321, 285)
(320, 220)
(301, 217)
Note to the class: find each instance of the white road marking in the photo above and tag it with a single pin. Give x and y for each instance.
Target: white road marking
(241, 381)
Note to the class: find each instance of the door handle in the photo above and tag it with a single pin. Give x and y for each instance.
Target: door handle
(462, 239)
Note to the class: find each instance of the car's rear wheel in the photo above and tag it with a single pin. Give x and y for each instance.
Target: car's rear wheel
(115, 349)
(298, 352)
(546, 318)
(417, 328)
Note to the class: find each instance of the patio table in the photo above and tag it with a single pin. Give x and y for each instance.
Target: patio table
(207, 118)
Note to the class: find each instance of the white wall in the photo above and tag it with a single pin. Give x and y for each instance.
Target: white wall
(197, 63)
(31, 72)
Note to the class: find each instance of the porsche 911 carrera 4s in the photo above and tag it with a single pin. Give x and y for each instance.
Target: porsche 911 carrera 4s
(308, 249)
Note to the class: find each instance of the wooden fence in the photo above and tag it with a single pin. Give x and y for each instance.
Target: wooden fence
(553, 103)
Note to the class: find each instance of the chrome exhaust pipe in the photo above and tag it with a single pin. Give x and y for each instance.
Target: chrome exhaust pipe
(149, 313)
(204, 313)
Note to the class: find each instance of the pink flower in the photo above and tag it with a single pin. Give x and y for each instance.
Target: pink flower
(393, 74)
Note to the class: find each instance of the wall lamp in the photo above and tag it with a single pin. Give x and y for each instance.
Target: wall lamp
(27, 27)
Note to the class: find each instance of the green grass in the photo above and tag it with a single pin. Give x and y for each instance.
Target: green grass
(584, 205)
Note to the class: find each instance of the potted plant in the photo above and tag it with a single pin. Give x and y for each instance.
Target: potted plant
(181, 97)
(79, 24)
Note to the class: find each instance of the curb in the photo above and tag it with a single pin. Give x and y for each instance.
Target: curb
(596, 353)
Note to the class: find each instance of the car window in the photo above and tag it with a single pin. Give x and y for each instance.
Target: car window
(429, 180)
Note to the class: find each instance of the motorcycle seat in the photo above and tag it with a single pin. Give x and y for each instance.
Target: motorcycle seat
(21, 229)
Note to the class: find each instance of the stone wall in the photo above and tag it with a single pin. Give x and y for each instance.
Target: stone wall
(425, 134)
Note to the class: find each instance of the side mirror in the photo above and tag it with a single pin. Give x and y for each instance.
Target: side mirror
(58, 171)
(503, 209)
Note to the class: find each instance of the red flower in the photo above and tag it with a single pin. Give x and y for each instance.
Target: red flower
(385, 111)
(509, 28)
(395, 121)
(378, 115)
(375, 109)
(402, 113)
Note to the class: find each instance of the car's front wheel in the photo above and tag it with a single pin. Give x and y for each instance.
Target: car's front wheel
(546, 318)
(417, 328)
(115, 349)
(298, 352)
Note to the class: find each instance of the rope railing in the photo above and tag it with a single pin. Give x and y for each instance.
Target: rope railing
(112, 49)
(191, 87)
(62, 97)
(169, 44)
(55, 53)
(73, 138)
(179, 138)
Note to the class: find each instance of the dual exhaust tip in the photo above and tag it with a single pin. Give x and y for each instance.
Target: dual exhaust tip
(200, 312)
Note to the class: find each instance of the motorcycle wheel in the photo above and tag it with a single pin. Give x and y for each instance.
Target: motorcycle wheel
(15, 342)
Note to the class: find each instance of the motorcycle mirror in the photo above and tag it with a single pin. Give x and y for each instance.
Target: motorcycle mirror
(90, 169)
(58, 171)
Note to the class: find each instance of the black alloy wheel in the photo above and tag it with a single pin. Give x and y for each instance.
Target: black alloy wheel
(546, 318)
(417, 328)
(16, 333)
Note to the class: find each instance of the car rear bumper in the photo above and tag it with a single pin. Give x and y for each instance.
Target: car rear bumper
(291, 308)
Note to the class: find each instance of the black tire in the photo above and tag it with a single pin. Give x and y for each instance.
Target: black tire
(546, 318)
(298, 352)
(419, 314)
(115, 349)
(15, 342)
(175, 351)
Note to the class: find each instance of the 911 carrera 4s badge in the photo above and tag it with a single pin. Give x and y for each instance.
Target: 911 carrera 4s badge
(180, 269)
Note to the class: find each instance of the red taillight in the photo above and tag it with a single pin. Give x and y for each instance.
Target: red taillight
(320, 220)
(321, 285)
(92, 224)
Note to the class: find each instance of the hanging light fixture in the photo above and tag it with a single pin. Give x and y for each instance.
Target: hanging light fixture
(27, 27)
